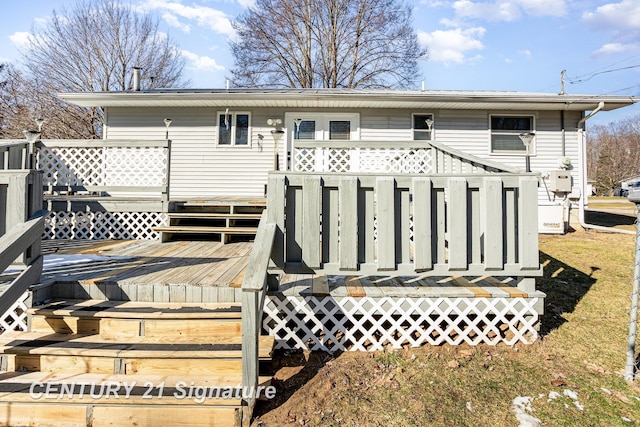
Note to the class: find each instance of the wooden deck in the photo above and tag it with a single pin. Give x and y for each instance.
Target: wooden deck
(147, 271)
(206, 271)
(406, 287)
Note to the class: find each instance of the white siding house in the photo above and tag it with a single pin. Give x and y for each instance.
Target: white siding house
(223, 142)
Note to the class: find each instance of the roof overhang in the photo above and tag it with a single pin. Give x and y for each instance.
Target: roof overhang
(346, 98)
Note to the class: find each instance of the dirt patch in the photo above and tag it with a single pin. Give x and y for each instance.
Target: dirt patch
(580, 359)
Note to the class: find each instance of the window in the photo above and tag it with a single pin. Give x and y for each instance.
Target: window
(505, 133)
(423, 127)
(339, 129)
(306, 130)
(323, 126)
(233, 129)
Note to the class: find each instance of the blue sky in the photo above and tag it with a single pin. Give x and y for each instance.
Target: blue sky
(520, 45)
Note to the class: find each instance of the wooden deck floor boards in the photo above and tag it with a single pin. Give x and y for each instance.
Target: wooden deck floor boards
(194, 271)
(202, 263)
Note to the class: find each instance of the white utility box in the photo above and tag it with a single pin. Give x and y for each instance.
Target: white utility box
(559, 181)
(551, 219)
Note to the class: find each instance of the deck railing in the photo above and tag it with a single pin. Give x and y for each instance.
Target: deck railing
(20, 234)
(16, 155)
(254, 288)
(403, 225)
(409, 224)
(395, 157)
(106, 167)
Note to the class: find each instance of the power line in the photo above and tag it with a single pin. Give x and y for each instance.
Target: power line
(608, 66)
(576, 81)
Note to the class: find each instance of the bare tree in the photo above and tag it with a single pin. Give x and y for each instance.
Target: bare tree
(327, 43)
(94, 47)
(613, 153)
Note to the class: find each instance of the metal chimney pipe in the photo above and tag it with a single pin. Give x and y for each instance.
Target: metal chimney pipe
(136, 79)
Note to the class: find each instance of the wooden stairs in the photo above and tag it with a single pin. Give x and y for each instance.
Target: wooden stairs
(115, 363)
(211, 218)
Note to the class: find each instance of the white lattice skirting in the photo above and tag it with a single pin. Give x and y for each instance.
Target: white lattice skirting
(368, 324)
(15, 318)
(103, 225)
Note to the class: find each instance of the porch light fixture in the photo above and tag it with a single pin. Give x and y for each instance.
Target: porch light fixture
(297, 123)
(527, 138)
(277, 133)
(32, 136)
(277, 136)
(429, 123)
(167, 123)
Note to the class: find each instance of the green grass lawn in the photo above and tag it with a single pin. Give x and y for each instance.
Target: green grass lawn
(587, 279)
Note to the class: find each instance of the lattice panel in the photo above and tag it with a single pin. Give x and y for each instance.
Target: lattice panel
(103, 166)
(386, 160)
(338, 160)
(304, 160)
(103, 225)
(71, 166)
(135, 166)
(390, 160)
(370, 324)
(15, 318)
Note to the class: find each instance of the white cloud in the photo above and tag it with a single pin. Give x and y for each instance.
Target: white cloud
(201, 63)
(621, 20)
(526, 53)
(612, 48)
(624, 15)
(246, 3)
(508, 10)
(208, 17)
(21, 39)
(453, 45)
(173, 21)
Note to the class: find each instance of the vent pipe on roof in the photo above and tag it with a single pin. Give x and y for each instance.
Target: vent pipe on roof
(136, 79)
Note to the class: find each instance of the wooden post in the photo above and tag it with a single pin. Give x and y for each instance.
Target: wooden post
(385, 187)
(349, 223)
(422, 224)
(250, 336)
(167, 194)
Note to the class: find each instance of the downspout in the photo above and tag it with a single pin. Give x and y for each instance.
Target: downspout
(562, 134)
(582, 153)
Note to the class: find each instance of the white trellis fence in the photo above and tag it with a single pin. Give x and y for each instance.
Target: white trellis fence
(395, 157)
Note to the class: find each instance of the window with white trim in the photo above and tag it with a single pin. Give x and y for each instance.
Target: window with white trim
(506, 130)
(324, 126)
(423, 127)
(234, 128)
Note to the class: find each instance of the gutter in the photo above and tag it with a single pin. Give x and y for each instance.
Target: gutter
(583, 179)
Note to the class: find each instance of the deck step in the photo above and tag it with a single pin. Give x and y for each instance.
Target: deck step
(139, 310)
(64, 414)
(214, 215)
(160, 351)
(140, 389)
(139, 322)
(197, 229)
(33, 351)
(225, 216)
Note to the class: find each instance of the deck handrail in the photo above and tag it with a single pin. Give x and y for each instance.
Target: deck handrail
(128, 168)
(20, 239)
(254, 288)
(15, 155)
(429, 225)
(428, 157)
(21, 231)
